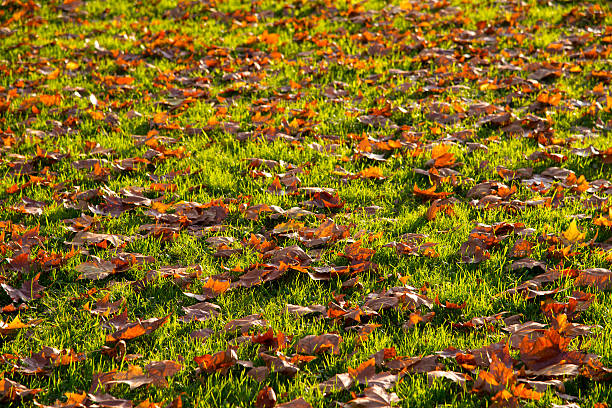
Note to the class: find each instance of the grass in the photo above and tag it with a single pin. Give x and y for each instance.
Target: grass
(286, 79)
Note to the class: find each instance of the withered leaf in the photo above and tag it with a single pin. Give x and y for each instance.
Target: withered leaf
(306, 310)
(29, 290)
(11, 391)
(296, 403)
(202, 334)
(528, 263)
(423, 364)
(95, 270)
(430, 194)
(245, 323)
(266, 398)
(10, 329)
(459, 378)
(29, 206)
(104, 307)
(599, 278)
(319, 344)
(280, 364)
(200, 312)
(44, 361)
(84, 238)
(416, 318)
(108, 401)
(373, 397)
(339, 382)
(220, 362)
(135, 329)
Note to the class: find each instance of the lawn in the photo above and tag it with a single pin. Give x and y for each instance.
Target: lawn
(305, 203)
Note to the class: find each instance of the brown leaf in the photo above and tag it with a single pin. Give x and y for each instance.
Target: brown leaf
(521, 249)
(306, 310)
(10, 329)
(134, 377)
(423, 364)
(73, 400)
(416, 318)
(135, 329)
(266, 398)
(29, 206)
(84, 238)
(108, 401)
(11, 391)
(103, 307)
(498, 378)
(548, 350)
(339, 382)
(202, 334)
(430, 194)
(319, 344)
(29, 290)
(474, 251)
(220, 362)
(200, 312)
(160, 370)
(95, 270)
(245, 323)
(44, 361)
(271, 341)
(363, 332)
(599, 278)
(296, 403)
(453, 376)
(280, 364)
(374, 397)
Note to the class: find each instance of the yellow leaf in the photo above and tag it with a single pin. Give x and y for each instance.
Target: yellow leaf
(72, 66)
(573, 234)
(160, 117)
(288, 226)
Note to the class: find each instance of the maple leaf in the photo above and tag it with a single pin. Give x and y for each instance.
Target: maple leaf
(72, 400)
(29, 290)
(245, 323)
(430, 194)
(604, 220)
(573, 234)
(499, 377)
(266, 398)
(44, 361)
(271, 341)
(338, 382)
(219, 362)
(104, 307)
(130, 330)
(155, 373)
(599, 278)
(296, 403)
(374, 397)
(370, 173)
(200, 312)
(11, 391)
(95, 270)
(84, 238)
(319, 344)
(453, 376)
(10, 329)
(416, 318)
(213, 287)
(441, 157)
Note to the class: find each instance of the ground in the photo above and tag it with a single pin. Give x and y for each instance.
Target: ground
(223, 203)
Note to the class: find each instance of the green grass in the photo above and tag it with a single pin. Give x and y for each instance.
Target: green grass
(319, 47)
